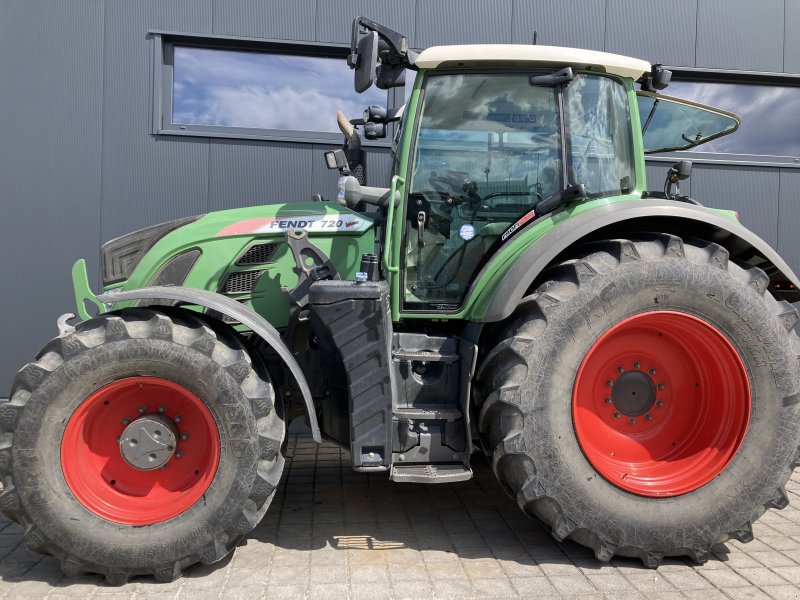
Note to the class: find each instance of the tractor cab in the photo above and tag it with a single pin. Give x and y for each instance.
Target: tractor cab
(497, 137)
(490, 148)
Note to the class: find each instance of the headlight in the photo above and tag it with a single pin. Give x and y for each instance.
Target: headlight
(120, 256)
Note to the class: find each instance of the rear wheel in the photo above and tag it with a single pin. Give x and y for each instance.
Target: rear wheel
(644, 400)
(141, 443)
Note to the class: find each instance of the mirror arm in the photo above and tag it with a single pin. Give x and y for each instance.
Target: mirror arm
(399, 52)
(351, 193)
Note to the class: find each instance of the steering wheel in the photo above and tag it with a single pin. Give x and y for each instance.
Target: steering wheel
(460, 187)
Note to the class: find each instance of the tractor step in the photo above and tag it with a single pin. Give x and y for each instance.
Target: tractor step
(430, 473)
(425, 356)
(428, 413)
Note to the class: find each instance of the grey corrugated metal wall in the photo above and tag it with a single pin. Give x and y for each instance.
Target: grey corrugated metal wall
(78, 164)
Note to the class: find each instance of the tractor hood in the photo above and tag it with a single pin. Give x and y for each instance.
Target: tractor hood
(121, 256)
(241, 252)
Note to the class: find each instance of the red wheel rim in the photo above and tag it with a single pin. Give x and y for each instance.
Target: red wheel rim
(691, 412)
(103, 481)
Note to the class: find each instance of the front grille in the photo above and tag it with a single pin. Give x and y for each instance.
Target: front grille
(241, 283)
(258, 254)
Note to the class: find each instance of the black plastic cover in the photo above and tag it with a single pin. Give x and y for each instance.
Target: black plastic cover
(120, 256)
(354, 328)
(329, 291)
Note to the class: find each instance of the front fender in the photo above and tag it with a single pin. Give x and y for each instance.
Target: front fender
(615, 220)
(235, 310)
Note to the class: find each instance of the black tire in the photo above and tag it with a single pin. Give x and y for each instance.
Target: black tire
(179, 346)
(526, 381)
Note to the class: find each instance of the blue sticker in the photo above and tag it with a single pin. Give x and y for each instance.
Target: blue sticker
(467, 232)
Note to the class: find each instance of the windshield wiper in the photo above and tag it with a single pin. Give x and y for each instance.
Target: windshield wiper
(561, 197)
(650, 116)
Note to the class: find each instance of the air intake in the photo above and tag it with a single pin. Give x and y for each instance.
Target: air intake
(241, 283)
(258, 254)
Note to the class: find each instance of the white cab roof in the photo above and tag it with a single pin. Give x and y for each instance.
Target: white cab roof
(549, 56)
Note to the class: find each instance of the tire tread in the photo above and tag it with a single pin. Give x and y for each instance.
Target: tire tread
(500, 416)
(217, 342)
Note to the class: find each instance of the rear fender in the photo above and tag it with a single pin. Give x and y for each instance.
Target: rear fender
(621, 219)
(236, 311)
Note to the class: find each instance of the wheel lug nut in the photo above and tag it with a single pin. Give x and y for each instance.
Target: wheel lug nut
(607, 400)
(185, 435)
(178, 418)
(162, 408)
(652, 371)
(178, 454)
(661, 386)
(659, 403)
(617, 415)
(636, 365)
(142, 410)
(648, 417)
(126, 421)
(609, 382)
(620, 369)
(632, 421)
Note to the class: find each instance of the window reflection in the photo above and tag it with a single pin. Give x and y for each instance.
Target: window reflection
(598, 129)
(232, 88)
(668, 125)
(770, 125)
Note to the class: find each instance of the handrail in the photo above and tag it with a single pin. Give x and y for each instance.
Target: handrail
(393, 200)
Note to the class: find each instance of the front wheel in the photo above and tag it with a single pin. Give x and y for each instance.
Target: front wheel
(644, 400)
(141, 443)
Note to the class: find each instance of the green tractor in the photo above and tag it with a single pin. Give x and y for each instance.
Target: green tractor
(626, 359)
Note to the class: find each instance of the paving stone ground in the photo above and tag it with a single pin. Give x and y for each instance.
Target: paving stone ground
(333, 533)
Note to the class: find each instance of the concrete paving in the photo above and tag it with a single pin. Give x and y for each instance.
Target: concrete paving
(332, 533)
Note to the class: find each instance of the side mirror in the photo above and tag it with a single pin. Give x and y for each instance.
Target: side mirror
(678, 172)
(391, 76)
(336, 159)
(657, 79)
(367, 62)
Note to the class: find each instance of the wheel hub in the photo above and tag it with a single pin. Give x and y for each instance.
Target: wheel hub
(149, 442)
(633, 393)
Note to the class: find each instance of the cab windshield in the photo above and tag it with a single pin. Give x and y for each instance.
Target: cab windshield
(488, 149)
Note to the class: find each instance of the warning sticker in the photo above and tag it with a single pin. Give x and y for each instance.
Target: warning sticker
(310, 223)
(467, 232)
(525, 218)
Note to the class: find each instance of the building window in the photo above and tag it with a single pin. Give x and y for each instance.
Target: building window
(770, 130)
(268, 91)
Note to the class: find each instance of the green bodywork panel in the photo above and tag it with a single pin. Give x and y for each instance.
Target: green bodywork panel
(83, 292)
(223, 237)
